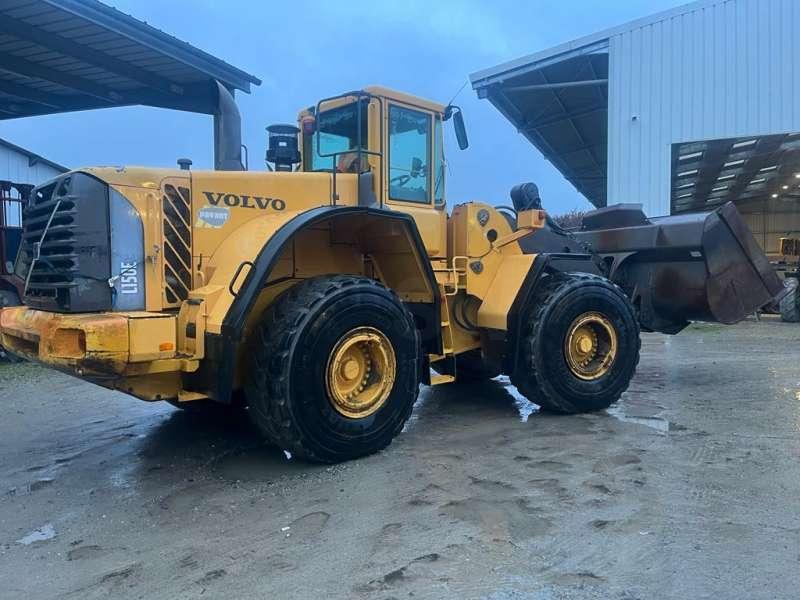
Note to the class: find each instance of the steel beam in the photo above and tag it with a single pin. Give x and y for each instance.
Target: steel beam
(33, 95)
(97, 58)
(564, 117)
(556, 85)
(20, 66)
(126, 26)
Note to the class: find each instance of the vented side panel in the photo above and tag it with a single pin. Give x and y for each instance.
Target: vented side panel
(176, 204)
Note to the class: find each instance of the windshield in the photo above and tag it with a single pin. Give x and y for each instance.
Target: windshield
(337, 130)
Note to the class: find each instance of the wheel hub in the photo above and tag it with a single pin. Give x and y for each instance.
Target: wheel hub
(590, 346)
(360, 373)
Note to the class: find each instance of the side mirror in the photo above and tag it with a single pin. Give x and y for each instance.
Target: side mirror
(309, 125)
(416, 166)
(458, 125)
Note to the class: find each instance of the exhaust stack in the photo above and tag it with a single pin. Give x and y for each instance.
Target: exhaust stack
(227, 132)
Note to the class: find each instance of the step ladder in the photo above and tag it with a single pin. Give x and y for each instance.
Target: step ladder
(447, 341)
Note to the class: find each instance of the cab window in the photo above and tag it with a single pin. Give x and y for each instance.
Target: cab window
(409, 155)
(337, 130)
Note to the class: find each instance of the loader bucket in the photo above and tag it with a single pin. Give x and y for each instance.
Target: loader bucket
(682, 268)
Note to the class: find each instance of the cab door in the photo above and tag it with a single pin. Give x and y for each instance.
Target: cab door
(415, 172)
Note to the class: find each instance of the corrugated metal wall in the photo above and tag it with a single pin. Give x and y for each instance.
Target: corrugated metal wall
(725, 70)
(15, 167)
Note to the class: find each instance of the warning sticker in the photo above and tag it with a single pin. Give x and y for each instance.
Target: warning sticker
(212, 216)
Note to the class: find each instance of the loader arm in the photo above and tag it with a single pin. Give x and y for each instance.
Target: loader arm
(676, 269)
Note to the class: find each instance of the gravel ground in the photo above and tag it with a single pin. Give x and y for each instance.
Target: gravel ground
(688, 488)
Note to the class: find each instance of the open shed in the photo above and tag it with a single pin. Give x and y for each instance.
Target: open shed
(681, 111)
(67, 55)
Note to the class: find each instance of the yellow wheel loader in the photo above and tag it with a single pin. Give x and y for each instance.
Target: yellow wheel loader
(322, 293)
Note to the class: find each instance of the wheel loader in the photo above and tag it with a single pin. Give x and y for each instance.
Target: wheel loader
(322, 293)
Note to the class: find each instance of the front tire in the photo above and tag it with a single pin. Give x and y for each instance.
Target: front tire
(334, 369)
(580, 345)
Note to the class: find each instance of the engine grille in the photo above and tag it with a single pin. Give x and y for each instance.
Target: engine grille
(177, 244)
(64, 250)
(52, 209)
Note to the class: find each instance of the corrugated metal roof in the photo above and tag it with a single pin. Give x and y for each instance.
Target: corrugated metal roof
(558, 99)
(544, 57)
(64, 55)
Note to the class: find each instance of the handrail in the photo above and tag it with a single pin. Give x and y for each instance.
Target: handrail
(359, 150)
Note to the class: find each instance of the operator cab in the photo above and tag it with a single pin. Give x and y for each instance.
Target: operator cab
(393, 143)
(345, 134)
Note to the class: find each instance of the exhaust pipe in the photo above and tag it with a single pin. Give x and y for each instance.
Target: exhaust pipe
(227, 132)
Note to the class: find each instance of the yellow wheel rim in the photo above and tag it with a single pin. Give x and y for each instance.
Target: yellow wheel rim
(360, 373)
(590, 346)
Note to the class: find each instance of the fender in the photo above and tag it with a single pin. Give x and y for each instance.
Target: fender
(222, 347)
(543, 263)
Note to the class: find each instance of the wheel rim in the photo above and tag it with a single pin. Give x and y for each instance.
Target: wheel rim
(590, 346)
(360, 373)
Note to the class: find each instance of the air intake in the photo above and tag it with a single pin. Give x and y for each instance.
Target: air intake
(177, 244)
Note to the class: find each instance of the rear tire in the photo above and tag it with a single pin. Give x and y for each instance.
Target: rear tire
(790, 312)
(553, 373)
(302, 347)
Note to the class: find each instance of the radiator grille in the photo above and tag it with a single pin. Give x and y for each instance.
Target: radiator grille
(51, 208)
(177, 244)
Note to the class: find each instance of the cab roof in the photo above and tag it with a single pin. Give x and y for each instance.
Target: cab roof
(405, 98)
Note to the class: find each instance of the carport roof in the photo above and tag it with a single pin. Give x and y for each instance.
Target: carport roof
(65, 55)
(558, 99)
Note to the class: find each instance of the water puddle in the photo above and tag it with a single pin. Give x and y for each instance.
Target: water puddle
(44, 533)
(525, 407)
(655, 422)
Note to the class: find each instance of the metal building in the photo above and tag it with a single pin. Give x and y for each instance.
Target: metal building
(681, 111)
(23, 166)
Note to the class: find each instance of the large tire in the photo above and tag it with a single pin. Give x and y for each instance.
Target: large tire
(545, 374)
(790, 311)
(288, 386)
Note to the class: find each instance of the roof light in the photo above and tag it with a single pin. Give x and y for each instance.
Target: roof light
(685, 196)
(797, 175)
(719, 188)
(785, 187)
(690, 156)
(724, 177)
(745, 144)
(759, 180)
(687, 173)
(765, 169)
(774, 195)
(683, 186)
(733, 163)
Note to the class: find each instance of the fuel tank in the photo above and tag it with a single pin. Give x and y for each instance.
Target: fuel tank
(676, 269)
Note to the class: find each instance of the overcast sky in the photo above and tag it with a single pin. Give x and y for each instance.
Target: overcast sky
(303, 51)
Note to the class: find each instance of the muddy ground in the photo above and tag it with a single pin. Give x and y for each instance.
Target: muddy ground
(688, 488)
